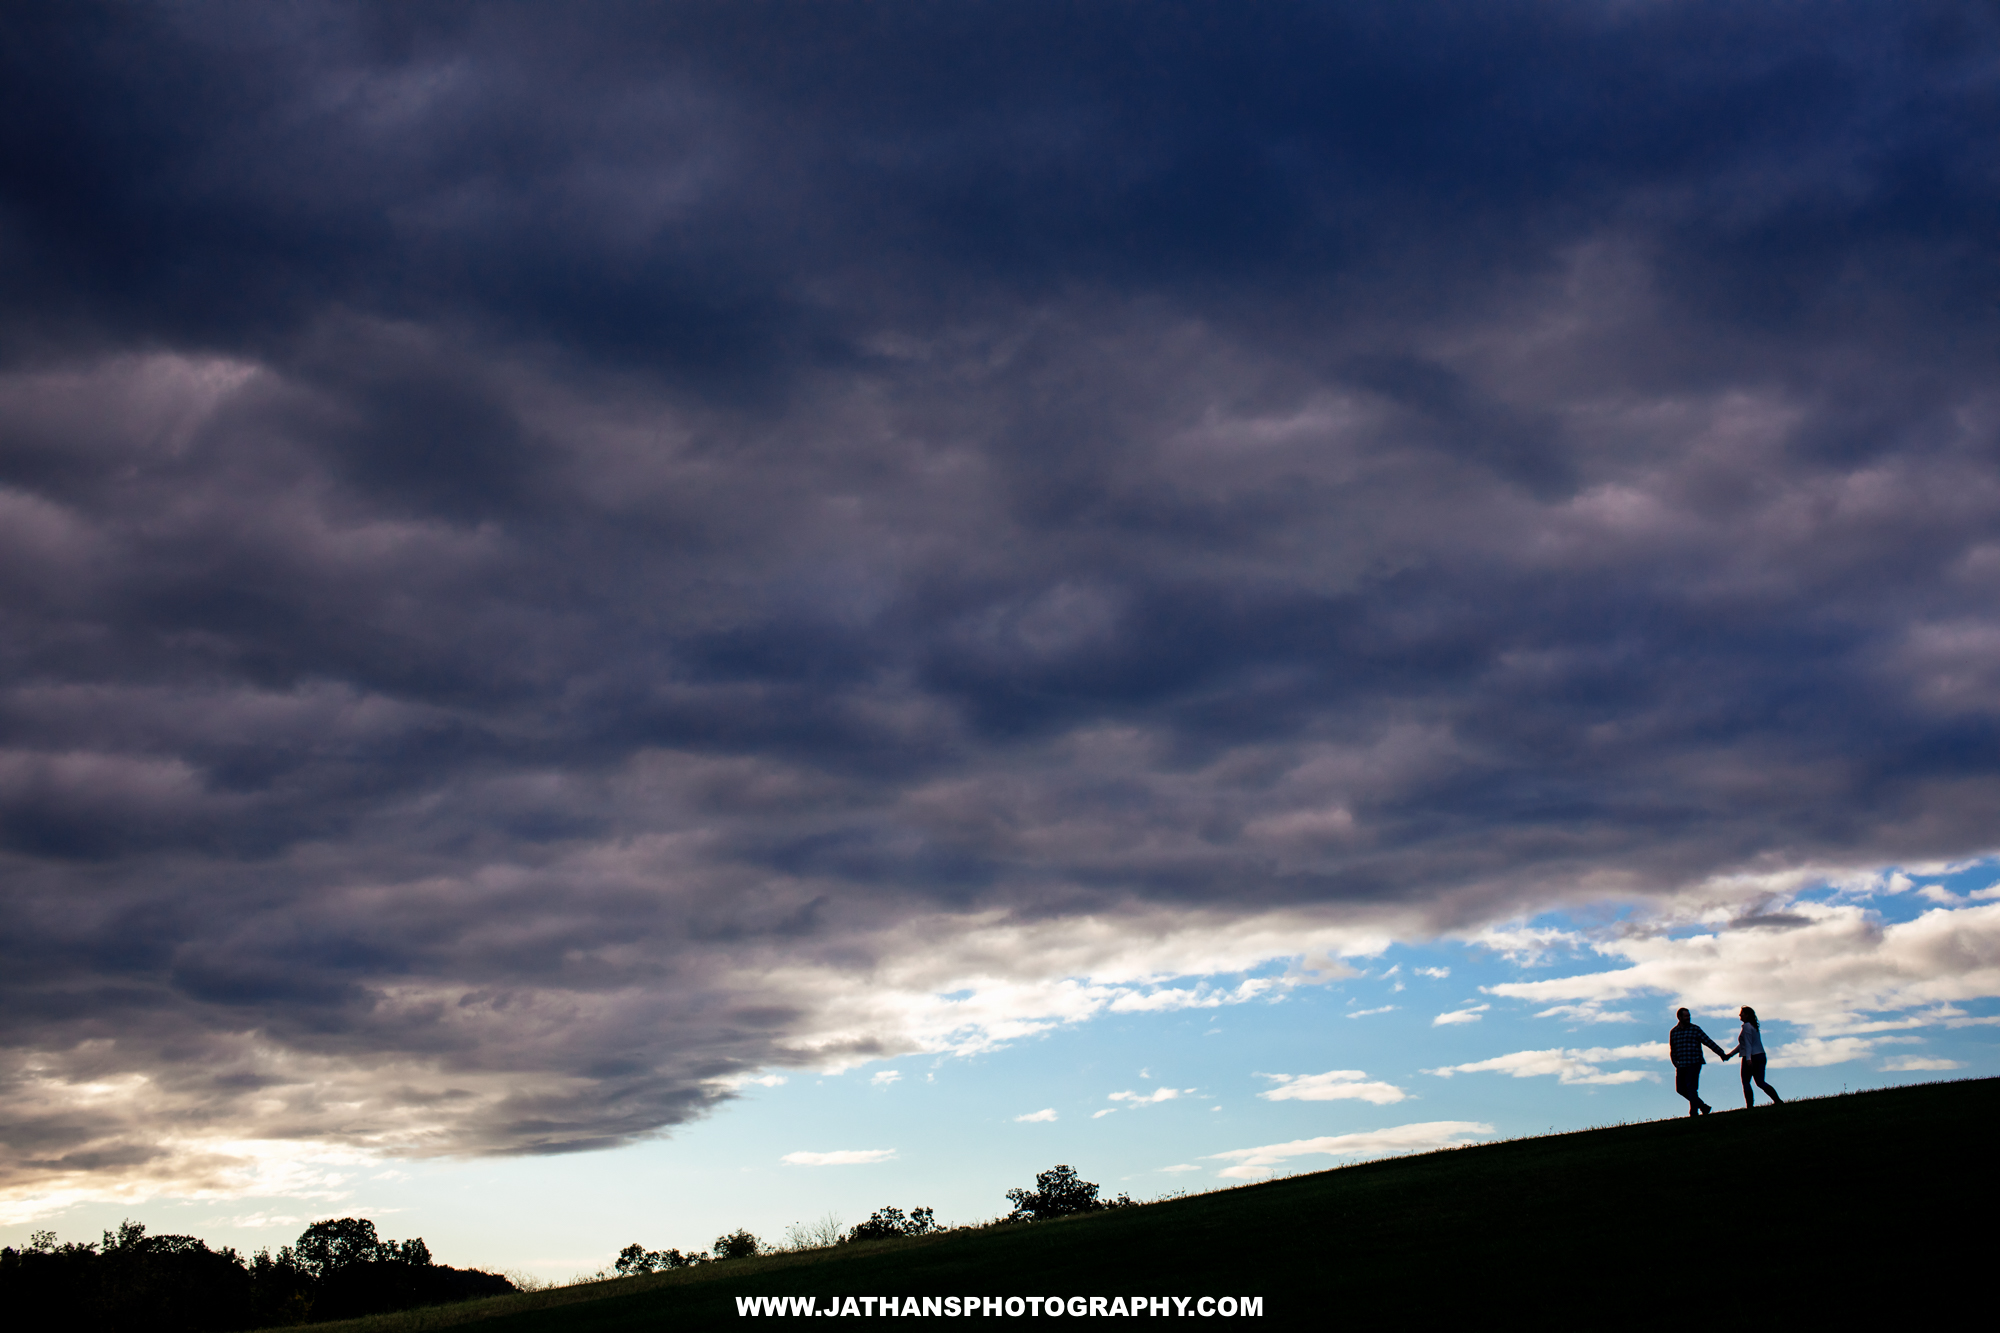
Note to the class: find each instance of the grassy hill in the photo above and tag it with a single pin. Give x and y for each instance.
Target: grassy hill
(1836, 1209)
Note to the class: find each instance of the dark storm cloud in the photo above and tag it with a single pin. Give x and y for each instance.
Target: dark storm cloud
(537, 544)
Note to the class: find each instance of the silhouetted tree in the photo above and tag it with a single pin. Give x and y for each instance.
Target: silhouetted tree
(636, 1259)
(325, 1248)
(1059, 1192)
(176, 1284)
(887, 1223)
(738, 1244)
(283, 1291)
(357, 1272)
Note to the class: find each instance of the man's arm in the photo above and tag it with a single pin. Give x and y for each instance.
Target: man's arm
(1711, 1045)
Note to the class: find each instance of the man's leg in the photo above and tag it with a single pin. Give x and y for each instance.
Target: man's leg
(1687, 1082)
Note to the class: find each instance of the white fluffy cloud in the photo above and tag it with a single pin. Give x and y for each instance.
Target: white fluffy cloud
(962, 985)
(947, 984)
(1041, 1117)
(1570, 1066)
(1332, 1086)
(736, 1081)
(1169, 998)
(210, 1168)
(1813, 1052)
(1468, 1015)
(843, 1157)
(1822, 966)
(1526, 945)
(1588, 1013)
(1254, 1163)
(1153, 1098)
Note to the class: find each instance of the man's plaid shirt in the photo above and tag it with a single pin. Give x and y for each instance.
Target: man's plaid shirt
(1684, 1044)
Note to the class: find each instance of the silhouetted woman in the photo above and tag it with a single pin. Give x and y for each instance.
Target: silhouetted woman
(1750, 1045)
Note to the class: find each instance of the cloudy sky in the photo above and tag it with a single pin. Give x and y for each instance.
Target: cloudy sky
(705, 613)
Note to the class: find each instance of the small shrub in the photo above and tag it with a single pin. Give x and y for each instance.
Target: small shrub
(738, 1244)
(888, 1223)
(636, 1259)
(1060, 1192)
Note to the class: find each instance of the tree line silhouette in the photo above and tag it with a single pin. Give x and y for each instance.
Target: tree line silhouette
(1058, 1192)
(340, 1268)
(337, 1269)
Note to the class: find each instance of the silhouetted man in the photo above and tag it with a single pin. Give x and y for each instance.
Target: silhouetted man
(1684, 1045)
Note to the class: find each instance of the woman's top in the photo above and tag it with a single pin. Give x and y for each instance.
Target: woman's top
(1750, 1041)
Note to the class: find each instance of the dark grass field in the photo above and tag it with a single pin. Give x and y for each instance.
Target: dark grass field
(1836, 1212)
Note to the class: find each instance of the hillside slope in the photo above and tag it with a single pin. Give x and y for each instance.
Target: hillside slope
(1829, 1208)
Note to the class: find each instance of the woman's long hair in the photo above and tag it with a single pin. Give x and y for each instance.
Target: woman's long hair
(1750, 1017)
